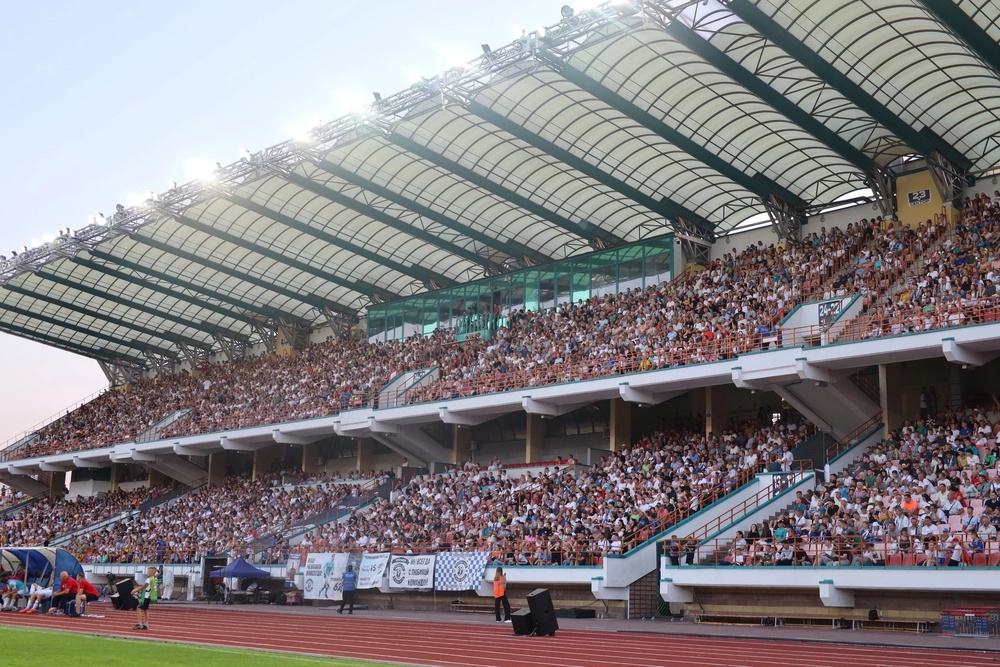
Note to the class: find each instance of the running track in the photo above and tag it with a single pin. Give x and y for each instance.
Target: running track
(487, 644)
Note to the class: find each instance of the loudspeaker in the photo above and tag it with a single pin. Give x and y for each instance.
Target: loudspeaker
(122, 598)
(521, 622)
(542, 613)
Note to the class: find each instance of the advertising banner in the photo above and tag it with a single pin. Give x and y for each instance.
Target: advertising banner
(324, 576)
(371, 570)
(412, 572)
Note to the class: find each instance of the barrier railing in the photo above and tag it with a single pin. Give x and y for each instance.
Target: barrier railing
(853, 438)
(945, 550)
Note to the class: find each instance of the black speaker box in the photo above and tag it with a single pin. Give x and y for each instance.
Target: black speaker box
(542, 613)
(122, 598)
(521, 621)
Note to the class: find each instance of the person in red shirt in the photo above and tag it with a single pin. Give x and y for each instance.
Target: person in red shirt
(86, 593)
(68, 588)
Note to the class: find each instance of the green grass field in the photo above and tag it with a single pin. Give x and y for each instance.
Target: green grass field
(31, 648)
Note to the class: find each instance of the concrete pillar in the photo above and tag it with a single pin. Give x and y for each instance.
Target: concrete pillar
(715, 410)
(461, 436)
(117, 475)
(366, 453)
(890, 397)
(156, 478)
(621, 424)
(310, 454)
(57, 484)
(217, 468)
(534, 443)
(263, 458)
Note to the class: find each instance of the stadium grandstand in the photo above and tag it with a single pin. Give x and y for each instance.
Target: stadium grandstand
(662, 306)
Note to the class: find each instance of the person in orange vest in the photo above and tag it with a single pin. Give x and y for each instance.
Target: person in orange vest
(500, 596)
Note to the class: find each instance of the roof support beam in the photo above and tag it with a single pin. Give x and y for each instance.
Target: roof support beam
(793, 112)
(245, 277)
(840, 82)
(69, 305)
(119, 373)
(155, 312)
(511, 247)
(147, 284)
(246, 306)
(664, 206)
(102, 354)
(386, 219)
(494, 188)
(418, 272)
(967, 30)
(135, 345)
(664, 131)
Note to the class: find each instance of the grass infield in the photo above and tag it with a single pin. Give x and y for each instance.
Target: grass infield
(31, 648)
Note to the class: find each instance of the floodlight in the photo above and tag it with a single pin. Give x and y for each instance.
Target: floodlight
(201, 170)
(172, 185)
(35, 243)
(378, 97)
(567, 12)
(486, 49)
(246, 154)
(119, 208)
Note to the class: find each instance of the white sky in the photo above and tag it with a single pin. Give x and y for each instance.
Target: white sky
(104, 99)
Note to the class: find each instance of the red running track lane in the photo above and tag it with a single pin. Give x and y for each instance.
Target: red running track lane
(487, 644)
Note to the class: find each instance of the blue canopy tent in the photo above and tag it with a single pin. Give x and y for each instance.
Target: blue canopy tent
(39, 562)
(238, 569)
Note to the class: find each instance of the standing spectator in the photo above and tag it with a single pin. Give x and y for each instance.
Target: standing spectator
(500, 596)
(349, 583)
(145, 593)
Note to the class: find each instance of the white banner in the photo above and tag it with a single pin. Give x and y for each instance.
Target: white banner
(372, 570)
(324, 576)
(412, 572)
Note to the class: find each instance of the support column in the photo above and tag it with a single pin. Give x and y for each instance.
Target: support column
(534, 442)
(890, 398)
(621, 424)
(461, 436)
(366, 453)
(117, 475)
(217, 469)
(156, 478)
(57, 484)
(263, 458)
(715, 410)
(309, 454)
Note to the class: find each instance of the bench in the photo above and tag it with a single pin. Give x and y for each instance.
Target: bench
(917, 621)
(764, 615)
(472, 608)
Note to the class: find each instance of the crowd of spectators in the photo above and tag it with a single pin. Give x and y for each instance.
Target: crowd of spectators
(569, 514)
(954, 276)
(728, 308)
(926, 495)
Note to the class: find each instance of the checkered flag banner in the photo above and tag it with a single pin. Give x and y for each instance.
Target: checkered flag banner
(460, 571)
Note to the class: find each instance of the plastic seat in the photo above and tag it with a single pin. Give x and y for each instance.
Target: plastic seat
(979, 560)
(909, 560)
(895, 560)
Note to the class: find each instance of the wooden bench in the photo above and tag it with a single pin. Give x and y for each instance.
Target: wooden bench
(917, 621)
(468, 608)
(764, 615)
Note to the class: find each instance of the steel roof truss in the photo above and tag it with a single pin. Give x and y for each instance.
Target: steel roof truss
(512, 248)
(162, 335)
(169, 317)
(386, 219)
(417, 272)
(233, 349)
(480, 181)
(240, 275)
(161, 364)
(120, 372)
(967, 30)
(949, 180)
(146, 284)
(839, 81)
(102, 353)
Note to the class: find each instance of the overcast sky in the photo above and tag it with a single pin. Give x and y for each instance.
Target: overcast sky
(103, 100)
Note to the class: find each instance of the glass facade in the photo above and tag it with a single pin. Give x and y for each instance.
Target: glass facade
(482, 306)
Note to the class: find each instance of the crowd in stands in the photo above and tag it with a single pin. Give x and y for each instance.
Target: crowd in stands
(960, 271)
(730, 307)
(926, 495)
(565, 515)
(9, 497)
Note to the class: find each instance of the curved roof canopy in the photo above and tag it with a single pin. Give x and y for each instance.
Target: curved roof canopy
(616, 124)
